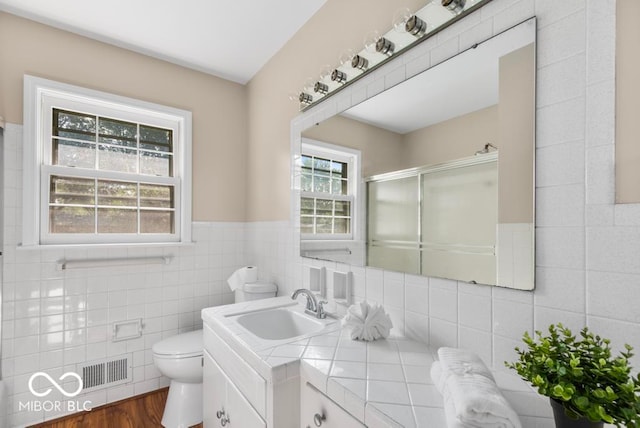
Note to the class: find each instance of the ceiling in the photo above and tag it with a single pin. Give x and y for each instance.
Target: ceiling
(231, 39)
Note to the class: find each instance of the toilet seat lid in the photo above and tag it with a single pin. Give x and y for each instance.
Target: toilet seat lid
(181, 345)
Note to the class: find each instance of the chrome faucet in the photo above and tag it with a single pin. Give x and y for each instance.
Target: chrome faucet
(313, 307)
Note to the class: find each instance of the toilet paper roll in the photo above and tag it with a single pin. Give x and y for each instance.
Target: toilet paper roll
(242, 276)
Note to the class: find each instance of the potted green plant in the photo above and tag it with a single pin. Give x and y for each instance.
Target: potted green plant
(586, 385)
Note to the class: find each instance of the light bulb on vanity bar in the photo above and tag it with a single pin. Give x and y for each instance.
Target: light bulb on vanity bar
(455, 6)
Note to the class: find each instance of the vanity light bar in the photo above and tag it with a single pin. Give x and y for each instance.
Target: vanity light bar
(380, 49)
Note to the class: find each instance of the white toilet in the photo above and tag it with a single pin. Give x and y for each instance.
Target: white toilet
(179, 358)
(255, 291)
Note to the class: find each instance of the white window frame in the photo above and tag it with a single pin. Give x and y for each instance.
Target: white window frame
(352, 158)
(40, 97)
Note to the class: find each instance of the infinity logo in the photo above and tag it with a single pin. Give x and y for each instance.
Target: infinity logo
(55, 384)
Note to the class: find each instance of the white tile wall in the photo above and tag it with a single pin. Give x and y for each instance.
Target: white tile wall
(53, 319)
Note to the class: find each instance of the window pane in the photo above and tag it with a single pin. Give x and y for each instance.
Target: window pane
(306, 206)
(71, 190)
(306, 182)
(71, 220)
(156, 196)
(306, 224)
(112, 158)
(342, 225)
(117, 128)
(343, 208)
(158, 164)
(73, 153)
(117, 193)
(338, 187)
(306, 162)
(114, 220)
(322, 184)
(324, 207)
(156, 139)
(321, 165)
(156, 221)
(82, 124)
(323, 225)
(339, 169)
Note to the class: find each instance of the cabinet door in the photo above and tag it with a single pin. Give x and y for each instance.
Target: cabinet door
(330, 415)
(214, 392)
(220, 394)
(240, 412)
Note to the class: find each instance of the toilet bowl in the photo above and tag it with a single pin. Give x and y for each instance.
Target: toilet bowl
(179, 358)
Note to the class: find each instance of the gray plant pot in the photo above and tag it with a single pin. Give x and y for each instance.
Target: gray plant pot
(563, 421)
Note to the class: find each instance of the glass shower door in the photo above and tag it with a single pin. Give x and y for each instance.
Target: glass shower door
(458, 218)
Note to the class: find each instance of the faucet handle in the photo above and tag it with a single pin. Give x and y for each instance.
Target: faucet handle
(320, 313)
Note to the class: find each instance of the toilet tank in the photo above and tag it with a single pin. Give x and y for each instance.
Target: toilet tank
(256, 291)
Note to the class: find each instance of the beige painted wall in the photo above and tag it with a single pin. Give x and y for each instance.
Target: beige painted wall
(386, 151)
(627, 102)
(382, 150)
(452, 139)
(516, 136)
(338, 25)
(218, 106)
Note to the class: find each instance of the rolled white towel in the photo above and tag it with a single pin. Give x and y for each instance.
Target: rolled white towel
(471, 397)
(368, 322)
(478, 402)
(460, 361)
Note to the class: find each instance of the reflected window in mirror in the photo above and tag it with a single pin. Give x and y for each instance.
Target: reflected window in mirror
(328, 190)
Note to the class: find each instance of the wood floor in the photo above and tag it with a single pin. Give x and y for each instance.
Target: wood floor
(142, 411)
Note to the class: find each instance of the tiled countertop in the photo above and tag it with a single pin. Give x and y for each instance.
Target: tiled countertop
(381, 383)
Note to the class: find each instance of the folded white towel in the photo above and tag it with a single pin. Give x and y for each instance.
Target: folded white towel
(478, 402)
(461, 361)
(471, 397)
(368, 322)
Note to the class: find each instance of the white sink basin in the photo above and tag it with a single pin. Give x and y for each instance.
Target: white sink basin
(279, 323)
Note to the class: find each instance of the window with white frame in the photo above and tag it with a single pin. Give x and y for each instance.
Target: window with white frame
(101, 168)
(328, 186)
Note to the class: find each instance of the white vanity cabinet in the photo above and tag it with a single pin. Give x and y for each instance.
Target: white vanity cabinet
(224, 405)
(318, 410)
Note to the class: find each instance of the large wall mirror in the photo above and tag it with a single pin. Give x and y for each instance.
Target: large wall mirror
(434, 176)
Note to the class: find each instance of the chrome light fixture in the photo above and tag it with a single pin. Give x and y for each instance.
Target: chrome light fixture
(385, 46)
(305, 99)
(416, 26)
(338, 76)
(321, 88)
(359, 62)
(455, 6)
(380, 47)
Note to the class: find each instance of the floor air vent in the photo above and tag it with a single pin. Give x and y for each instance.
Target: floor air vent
(106, 372)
